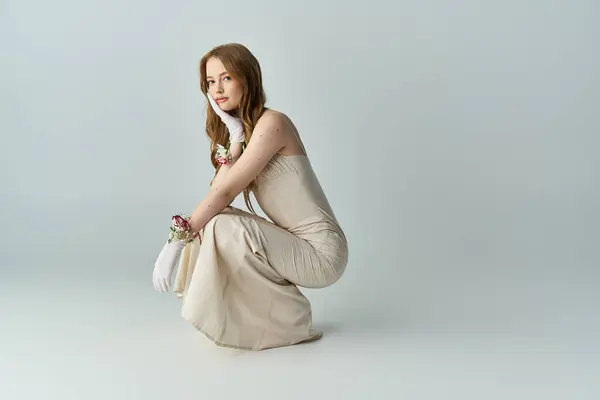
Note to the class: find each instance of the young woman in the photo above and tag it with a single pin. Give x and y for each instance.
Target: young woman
(239, 273)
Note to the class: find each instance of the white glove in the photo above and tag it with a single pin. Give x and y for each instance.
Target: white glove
(165, 264)
(234, 125)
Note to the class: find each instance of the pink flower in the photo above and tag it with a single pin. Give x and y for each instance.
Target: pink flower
(180, 223)
(222, 160)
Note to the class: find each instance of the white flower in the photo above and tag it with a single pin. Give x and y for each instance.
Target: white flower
(222, 152)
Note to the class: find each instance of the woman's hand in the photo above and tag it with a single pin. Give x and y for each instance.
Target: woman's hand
(165, 264)
(234, 125)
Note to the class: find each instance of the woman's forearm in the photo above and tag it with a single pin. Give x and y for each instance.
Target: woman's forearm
(215, 202)
(223, 169)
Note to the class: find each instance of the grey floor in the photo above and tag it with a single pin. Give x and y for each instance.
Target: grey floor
(121, 340)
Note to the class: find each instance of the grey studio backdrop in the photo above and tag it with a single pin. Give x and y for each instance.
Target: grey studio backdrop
(456, 141)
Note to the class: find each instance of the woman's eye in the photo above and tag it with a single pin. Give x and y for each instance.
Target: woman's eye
(227, 77)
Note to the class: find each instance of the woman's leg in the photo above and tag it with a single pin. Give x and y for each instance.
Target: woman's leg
(234, 295)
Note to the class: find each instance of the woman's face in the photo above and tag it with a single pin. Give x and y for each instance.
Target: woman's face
(226, 91)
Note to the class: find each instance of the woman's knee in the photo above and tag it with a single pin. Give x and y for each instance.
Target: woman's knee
(221, 218)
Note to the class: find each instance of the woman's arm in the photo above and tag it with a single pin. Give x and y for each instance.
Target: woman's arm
(267, 140)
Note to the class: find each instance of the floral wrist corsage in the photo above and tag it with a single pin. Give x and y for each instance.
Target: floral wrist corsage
(223, 155)
(181, 230)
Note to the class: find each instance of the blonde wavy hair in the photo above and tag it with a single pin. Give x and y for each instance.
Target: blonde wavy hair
(242, 66)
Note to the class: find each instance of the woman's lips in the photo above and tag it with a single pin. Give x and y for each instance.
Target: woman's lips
(222, 100)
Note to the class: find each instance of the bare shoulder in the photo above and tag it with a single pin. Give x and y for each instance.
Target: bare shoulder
(274, 124)
(271, 130)
(283, 131)
(274, 118)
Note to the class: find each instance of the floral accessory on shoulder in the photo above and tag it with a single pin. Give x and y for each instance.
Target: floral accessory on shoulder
(181, 230)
